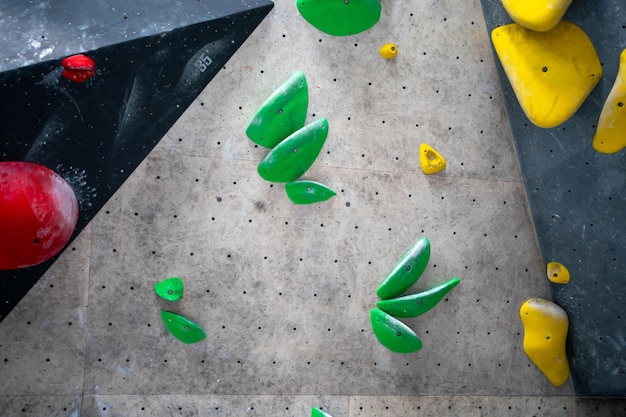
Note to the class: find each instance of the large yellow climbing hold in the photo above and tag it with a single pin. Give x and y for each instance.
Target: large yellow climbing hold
(430, 160)
(551, 73)
(539, 15)
(610, 134)
(557, 273)
(545, 330)
(388, 50)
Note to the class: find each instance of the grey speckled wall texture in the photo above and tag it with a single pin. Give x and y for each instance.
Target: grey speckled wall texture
(577, 200)
(284, 291)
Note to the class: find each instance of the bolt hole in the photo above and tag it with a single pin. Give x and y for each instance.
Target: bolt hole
(544, 69)
(620, 104)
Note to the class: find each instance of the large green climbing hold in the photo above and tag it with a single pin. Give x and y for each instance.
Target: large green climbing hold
(393, 334)
(417, 304)
(340, 17)
(308, 192)
(170, 289)
(294, 156)
(407, 271)
(182, 328)
(282, 113)
(316, 412)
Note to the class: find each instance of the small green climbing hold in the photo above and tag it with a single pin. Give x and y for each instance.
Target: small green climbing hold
(417, 304)
(308, 192)
(316, 412)
(282, 113)
(182, 328)
(407, 271)
(170, 289)
(393, 334)
(294, 156)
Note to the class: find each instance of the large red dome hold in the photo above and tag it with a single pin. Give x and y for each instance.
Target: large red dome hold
(38, 214)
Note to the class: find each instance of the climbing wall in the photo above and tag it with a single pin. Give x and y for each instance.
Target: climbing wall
(576, 196)
(149, 68)
(284, 291)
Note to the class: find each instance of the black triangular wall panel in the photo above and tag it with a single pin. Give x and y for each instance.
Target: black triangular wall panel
(94, 134)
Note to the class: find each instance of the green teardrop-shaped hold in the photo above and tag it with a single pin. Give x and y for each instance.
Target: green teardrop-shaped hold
(170, 289)
(282, 113)
(340, 17)
(308, 192)
(294, 156)
(417, 304)
(316, 412)
(182, 328)
(407, 271)
(393, 334)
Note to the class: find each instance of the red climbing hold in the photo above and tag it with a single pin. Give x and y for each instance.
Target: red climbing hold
(38, 214)
(78, 68)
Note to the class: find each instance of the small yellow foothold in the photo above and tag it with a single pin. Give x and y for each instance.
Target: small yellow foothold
(552, 73)
(388, 50)
(430, 160)
(610, 137)
(545, 330)
(558, 273)
(539, 15)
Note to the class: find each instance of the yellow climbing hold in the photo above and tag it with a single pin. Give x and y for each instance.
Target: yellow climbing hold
(430, 160)
(557, 273)
(388, 50)
(551, 73)
(539, 15)
(545, 330)
(610, 135)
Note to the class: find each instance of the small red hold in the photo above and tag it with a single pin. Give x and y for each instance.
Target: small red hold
(78, 68)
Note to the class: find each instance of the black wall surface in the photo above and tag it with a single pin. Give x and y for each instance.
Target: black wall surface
(577, 198)
(152, 60)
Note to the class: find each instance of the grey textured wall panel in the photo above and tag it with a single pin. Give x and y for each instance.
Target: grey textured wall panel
(577, 198)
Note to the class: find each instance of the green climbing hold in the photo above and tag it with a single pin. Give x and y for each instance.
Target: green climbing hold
(393, 334)
(417, 304)
(408, 270)
(316, 412)
(282, 113)
(308, 192)
(340, 17)
(170, 289)
(182, 328)
(294, 156)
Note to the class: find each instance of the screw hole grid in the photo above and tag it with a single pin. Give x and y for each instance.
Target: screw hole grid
(257, 258)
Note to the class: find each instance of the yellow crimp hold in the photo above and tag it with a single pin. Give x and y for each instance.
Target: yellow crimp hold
(545, 330)
(430, 160)
(539, 15)
(610, 134)
(388, 50)
(557, 273)
(551, 73)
